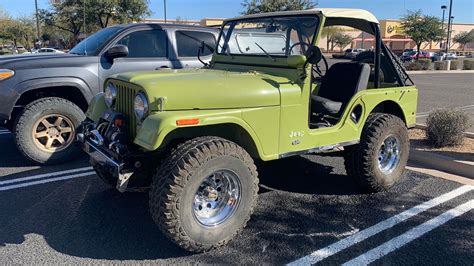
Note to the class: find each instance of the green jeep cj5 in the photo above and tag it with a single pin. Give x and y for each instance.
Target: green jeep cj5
(268, 93)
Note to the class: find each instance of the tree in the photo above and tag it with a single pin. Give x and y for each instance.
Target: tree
(464, 38)
(69, 15)
(328, 33)
(342, 40)
(263, 6)
(422, 28)
(102, 12)
(19, 30)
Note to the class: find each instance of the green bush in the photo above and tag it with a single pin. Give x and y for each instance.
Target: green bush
(440, 65)
(425, 63)
(445, 127)
(414, 66)
(468, 64)
(454, 64)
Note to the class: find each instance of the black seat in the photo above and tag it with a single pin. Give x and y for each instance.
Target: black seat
(341, 82)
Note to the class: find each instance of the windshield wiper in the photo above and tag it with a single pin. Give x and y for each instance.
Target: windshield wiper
(261, 48)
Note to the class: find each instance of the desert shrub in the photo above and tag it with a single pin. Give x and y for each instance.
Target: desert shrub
(413, 66)
(440, 65)
(468, 64)
(425, 63)
(454, 64)
(445, 127)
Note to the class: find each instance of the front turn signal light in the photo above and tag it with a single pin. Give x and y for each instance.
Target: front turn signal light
(187, 122)
(6, 73)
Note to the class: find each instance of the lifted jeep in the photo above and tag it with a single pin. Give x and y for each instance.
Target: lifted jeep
(192, 135)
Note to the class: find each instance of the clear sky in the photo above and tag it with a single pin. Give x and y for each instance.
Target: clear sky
(463, 10)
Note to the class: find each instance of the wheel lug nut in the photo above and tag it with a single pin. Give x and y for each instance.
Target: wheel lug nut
(209, 205)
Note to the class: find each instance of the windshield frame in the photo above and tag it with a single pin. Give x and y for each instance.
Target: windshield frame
(317, 17)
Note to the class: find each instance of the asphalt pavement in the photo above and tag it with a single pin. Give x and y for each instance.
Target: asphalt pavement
(309, 211)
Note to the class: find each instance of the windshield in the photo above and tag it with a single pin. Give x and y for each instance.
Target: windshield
(273, 37)
(92, 44)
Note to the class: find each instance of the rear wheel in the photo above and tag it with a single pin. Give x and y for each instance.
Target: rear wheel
(204, 193)
(45, 130)
(379, 160)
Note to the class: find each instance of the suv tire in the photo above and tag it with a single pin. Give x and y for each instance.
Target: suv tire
(204, 170)
(379, 160)
(48, 122)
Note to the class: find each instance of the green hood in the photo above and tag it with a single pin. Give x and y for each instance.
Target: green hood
(206, 88)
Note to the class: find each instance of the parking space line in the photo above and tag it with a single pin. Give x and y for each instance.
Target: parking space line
(43, 181)
(401, 240)
(21, 179)
(360, 236)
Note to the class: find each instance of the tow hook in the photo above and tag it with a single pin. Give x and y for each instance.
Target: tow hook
(122, 181)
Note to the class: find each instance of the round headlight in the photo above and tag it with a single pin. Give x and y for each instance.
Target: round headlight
(140, 105)
(110, 95)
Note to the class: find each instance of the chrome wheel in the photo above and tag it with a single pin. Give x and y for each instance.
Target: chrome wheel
(389, 155)
(52, 133)
(217, 198)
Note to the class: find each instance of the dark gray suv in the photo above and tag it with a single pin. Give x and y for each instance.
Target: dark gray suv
(43, 97)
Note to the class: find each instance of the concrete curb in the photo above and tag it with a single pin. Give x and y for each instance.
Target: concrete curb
(466, 134)
(441, 72)
(441, 163)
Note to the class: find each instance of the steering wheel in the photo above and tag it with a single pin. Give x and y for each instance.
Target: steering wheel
(317, 69)
(299, 43)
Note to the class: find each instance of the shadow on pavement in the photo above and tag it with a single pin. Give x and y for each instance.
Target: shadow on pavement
(301, 175)
(83, 218)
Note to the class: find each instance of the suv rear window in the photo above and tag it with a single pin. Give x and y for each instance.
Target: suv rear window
(189, 42)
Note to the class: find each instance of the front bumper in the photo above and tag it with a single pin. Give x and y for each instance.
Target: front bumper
(91, 142)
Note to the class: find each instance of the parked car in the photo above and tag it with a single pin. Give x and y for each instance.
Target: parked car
(411, 56)
(43, 97)
(47, 50)
(407, 51)
(443, 56)
(192, 136)
(352, 53)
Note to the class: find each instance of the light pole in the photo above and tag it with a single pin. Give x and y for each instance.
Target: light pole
(164, 2)
(448, 42)
(443, 7)
(37, 22)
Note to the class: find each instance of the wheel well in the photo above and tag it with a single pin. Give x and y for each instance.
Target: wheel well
(70, 93)
(232, 132)
(390, 107)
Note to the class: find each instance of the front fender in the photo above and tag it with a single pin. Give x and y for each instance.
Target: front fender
(157, 126)
(97, 107)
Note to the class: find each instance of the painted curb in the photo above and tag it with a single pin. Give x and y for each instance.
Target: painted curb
(441, 163)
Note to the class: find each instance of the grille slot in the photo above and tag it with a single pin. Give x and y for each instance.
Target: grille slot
(124, 104)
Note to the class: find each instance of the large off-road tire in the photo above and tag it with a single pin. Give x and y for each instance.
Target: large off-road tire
(379, 160)
(204, 193)
(45, 130)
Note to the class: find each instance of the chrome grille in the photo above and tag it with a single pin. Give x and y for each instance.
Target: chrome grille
(124, 105)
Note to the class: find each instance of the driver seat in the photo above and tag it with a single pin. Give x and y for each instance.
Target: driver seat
(341, 82)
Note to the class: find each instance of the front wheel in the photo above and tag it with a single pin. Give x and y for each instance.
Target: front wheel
(379, 160)
(204, 193)
(45, 130)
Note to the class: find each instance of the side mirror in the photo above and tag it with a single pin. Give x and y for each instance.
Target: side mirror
(116, 52)
(296, 61)
(314, 55)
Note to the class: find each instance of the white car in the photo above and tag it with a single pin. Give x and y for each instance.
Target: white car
(47, 50)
